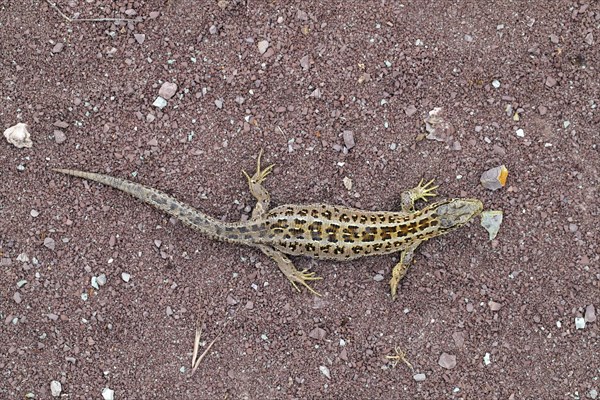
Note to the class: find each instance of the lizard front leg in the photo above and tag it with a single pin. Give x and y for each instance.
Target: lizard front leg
(263, 199)
(401, 267)
(289, 270)
(422, 191)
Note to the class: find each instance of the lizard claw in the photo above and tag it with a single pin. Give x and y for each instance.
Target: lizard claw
(301, 277)
(423, 191)
(260, 174)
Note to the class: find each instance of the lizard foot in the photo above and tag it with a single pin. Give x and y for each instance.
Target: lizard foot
(260, 174)
(423, 191)
(302, 277)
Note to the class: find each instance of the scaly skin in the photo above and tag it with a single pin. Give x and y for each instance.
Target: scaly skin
(318, 230)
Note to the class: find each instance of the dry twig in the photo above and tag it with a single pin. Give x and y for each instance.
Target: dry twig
(399, 356)
(195, 359)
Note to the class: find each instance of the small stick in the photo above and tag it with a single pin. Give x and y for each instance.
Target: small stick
(53, 5)
(399, 356)
(196, 362)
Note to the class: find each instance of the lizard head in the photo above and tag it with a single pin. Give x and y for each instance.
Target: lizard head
(455, 213)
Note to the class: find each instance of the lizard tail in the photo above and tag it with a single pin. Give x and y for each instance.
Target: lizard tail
(188, 215)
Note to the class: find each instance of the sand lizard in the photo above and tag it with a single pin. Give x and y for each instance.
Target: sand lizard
(317, 230)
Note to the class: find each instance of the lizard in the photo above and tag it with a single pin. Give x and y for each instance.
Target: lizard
(320, 231)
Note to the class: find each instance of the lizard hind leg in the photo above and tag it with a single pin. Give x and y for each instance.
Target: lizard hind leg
(421, 192)
(289, 270)
(401, 268)
(263, 199)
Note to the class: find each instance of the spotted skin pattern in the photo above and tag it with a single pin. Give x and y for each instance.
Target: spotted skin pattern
(319, 231)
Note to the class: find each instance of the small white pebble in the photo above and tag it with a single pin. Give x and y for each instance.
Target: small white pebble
(108, 394)
(593, 394)
(486, 359)
(94, 283)
(263, 45)
(579, 323)
(347, 183)
(125, 276)
(160, 103)
(496, 83)
(558, 324)
(55, 388)
(419, 377)
(342, 342)
(325, 371)
(520, 132)
(18, 135)
(34, 213)
(566, 124)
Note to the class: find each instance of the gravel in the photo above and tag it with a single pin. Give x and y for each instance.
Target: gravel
(373, 68)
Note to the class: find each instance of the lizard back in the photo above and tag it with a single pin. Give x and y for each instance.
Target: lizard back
(344, 233)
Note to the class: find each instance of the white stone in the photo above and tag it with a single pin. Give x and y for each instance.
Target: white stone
(160, 103)
(55, 388)
(419, 377)
(125, 276)
(486, 359)
(18, 135)
(325, 371)
(263, 45)
(108, 394)
(579, 323)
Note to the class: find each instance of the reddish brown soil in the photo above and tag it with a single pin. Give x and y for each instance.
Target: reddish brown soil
(379, 67)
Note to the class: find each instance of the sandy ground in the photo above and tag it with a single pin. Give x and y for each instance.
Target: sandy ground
(476, 319)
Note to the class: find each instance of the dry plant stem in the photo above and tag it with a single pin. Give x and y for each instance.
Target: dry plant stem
(203, 355)
(53, 5)
(399, 356)
(196, 362)
(196, 344)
